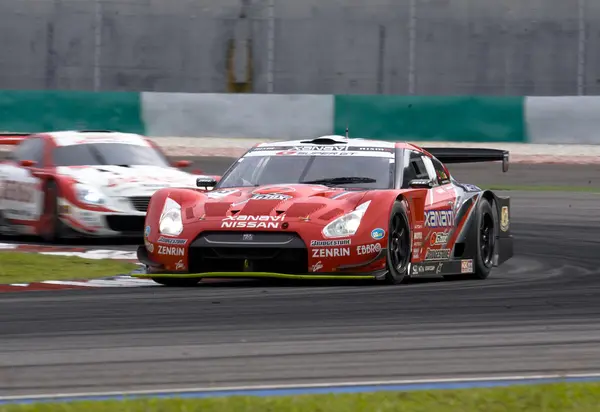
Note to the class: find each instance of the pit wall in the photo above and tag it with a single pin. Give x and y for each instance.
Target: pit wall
(267, 116)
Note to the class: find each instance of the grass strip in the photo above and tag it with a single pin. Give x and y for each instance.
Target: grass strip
(572, 397)
(18, 267)
(583, 189)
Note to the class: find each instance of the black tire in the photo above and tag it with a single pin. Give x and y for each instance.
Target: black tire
(486, 240)
(53, 229)
(398, 249)
(177, 282)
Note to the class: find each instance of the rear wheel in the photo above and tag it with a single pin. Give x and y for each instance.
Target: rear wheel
(398, 256)
(177, 282)
(52, 228)
(486, 241)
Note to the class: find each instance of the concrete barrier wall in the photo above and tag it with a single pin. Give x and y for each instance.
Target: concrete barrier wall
(433, 118)
(418, 47)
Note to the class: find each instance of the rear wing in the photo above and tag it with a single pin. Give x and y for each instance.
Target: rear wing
(12, 139)
(469, 155)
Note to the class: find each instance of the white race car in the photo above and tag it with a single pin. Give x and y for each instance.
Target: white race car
(90, 183)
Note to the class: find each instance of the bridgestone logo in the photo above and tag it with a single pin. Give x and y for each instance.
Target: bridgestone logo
(438, 254)
(338, 242)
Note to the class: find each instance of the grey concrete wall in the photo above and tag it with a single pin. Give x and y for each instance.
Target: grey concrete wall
(532, 47)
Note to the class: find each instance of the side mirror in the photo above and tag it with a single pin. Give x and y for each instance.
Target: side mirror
(182, 163)
(27, 163)
(206, 182)
(421, 184)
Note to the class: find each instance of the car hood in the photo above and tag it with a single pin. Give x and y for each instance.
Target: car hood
(119, 180)
(294, 200)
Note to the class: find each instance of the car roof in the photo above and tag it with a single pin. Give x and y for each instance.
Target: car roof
(74, 137)
(333, 139)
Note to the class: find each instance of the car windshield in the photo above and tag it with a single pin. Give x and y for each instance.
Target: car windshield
(107, 154)
(356, 171)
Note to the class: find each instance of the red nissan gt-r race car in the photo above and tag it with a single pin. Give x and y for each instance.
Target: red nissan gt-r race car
(82, 183)
(330, 207)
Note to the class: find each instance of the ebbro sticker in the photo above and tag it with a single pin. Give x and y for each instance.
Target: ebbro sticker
(377, 233)
(368, 249)
(504, 220)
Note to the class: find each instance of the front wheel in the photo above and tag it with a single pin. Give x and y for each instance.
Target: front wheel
(52, 228)
(177, 282)
(398, 256)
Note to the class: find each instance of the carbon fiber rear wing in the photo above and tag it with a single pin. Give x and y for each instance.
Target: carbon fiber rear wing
(469, 155)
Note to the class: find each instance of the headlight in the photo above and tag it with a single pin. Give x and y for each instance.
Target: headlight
(348, 224)
(170, 222)
(89, 195)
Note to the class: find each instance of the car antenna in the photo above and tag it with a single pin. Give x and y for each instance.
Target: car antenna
(347, 133)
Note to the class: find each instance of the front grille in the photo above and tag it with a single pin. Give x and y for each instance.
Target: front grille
(140, 203)
(233, 252)
(128, 224)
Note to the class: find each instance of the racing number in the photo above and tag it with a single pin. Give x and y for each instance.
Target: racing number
(17, 191)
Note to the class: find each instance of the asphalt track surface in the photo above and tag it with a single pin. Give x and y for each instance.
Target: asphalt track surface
(539, 313)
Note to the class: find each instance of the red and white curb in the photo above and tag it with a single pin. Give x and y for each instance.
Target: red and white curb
(121, 281)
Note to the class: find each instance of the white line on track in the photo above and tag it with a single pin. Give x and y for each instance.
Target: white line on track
(513, 378)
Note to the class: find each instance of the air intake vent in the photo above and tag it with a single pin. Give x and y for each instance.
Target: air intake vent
(140, 203)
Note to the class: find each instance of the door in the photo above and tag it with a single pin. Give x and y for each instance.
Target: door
(21, 196)
(439, 213)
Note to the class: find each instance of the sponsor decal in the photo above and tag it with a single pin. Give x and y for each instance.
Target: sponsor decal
(255, 222)
(171, 241)
(377, 233)
(334, 252)
(368, 249)
(171, 251)
(439, 218)
(248, 237)
(437, 254)
(440, 191)
(149, 246)
(21, 192)
(324, 243)
(418, 236)
(427, 269)
(471, 188)
(272, 189)
(504, 220)
(179, 265)
(270, 196)
(216, 194)
(466, 266)
(439, 238)
(416, 253)
(316, 267)
(63, 210)
(147, 232)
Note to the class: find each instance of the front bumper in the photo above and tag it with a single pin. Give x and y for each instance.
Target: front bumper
(263, 254)
(91, 223)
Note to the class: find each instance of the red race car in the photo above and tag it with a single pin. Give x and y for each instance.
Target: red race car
(330, 207)
(82, 183)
